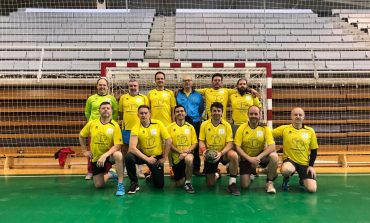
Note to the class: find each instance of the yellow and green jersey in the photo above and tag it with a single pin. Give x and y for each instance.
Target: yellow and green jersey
(220, 95)
(128, 106)
(150, 138)
(297, 143)
(253, 141)
(161, 103)
(93, 104)
(240, 105)
(182, 138)
(215, 137)
(102, 136)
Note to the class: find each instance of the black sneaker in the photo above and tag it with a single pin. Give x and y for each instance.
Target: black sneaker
(148, 177)
(285, 185)
(233, 189)
(133, 188)
(189, 188)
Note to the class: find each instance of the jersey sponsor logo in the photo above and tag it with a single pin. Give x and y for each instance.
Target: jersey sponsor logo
(187, 131)
(221, 131)
(248, 97)
(110, 131)
(304, 135)
(153, 131)
(139, 100)
(259, 133)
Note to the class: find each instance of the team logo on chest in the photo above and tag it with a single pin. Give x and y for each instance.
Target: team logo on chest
(110, 131)
(221, 131)
(304, 135)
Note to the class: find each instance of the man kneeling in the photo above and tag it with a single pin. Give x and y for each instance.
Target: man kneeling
(105, 147)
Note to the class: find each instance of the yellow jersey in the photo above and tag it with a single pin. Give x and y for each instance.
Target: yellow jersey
(240, 105)
(297, 143)
(102, 137)
(150, 138)
(161, 103)
(253, 141)
(128, 106)
(220, 95)
(182, 138)
(216, 137)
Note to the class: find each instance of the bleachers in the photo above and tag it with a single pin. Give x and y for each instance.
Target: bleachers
(291, 41)
(72, 40)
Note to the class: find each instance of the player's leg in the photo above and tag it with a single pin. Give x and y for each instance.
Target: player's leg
(271, 164)
(246, 170)
(98, 175)
(131, 161)
(118, 159)
(233, 159)
(306, 179)
(189, 159)
(287, 169)
(157, 173)
(210, 170)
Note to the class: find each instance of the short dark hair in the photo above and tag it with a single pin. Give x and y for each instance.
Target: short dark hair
(143, 106)
(105, 103)
(102, 78)
(179, 106)
(217, 105)
(217, 75)
(159, 72)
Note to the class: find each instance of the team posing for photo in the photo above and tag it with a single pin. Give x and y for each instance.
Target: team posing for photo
(167, 125)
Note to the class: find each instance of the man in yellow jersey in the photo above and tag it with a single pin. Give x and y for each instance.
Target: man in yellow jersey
(216, 134)
(128, 105)
(146, 148)
(300, 151)
(184, 141)
(105, 145)
(92, 108)
(240, 103)
(256, 147)
(161, 100)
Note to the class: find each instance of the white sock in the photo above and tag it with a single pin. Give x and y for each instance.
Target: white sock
(232, 180)
(187, 181)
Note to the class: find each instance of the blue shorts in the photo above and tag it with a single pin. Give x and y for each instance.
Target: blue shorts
(126, 136)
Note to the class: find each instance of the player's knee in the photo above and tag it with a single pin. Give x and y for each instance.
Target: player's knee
(232, 155)
(117, 156)
(189, 159)
(273, 157)
(99, 185)
(311, 186)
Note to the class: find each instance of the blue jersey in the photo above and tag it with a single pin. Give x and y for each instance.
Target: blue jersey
(193, 104)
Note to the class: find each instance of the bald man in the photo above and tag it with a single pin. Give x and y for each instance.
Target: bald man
(300, 151)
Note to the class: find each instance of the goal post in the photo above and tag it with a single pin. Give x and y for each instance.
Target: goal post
(259, 77)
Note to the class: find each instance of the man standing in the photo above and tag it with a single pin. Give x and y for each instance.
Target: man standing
(92, 108)
(193, 103)
(105, 144)
(216, 134)
(128, 105)
(250, 141)
(184, 141)
(300, 151)
(240, 103)
(146, 148)
(161, 100)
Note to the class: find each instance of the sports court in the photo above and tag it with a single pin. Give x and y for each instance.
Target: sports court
(310, 54)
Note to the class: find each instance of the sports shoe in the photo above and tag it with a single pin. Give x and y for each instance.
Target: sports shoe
(285, 185)
(120, 189)
(270, 187)
(134, 187)
(233, 189)
(148, 177)
(189, 188)
(112, 174)
(218, 174)
(88, 176)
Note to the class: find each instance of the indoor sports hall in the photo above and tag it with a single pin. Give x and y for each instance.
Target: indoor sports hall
(311, 54)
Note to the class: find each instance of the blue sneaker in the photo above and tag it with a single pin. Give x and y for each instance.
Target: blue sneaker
(285, 185)
(112, 174)
(120, 189)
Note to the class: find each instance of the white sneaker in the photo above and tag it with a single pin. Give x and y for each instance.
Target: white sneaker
(270, 187)
(88, 176)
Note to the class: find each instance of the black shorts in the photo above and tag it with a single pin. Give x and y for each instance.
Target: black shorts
(210, 168)
(246, 167)
(179, 170)
(301, 170)
(104, 169)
